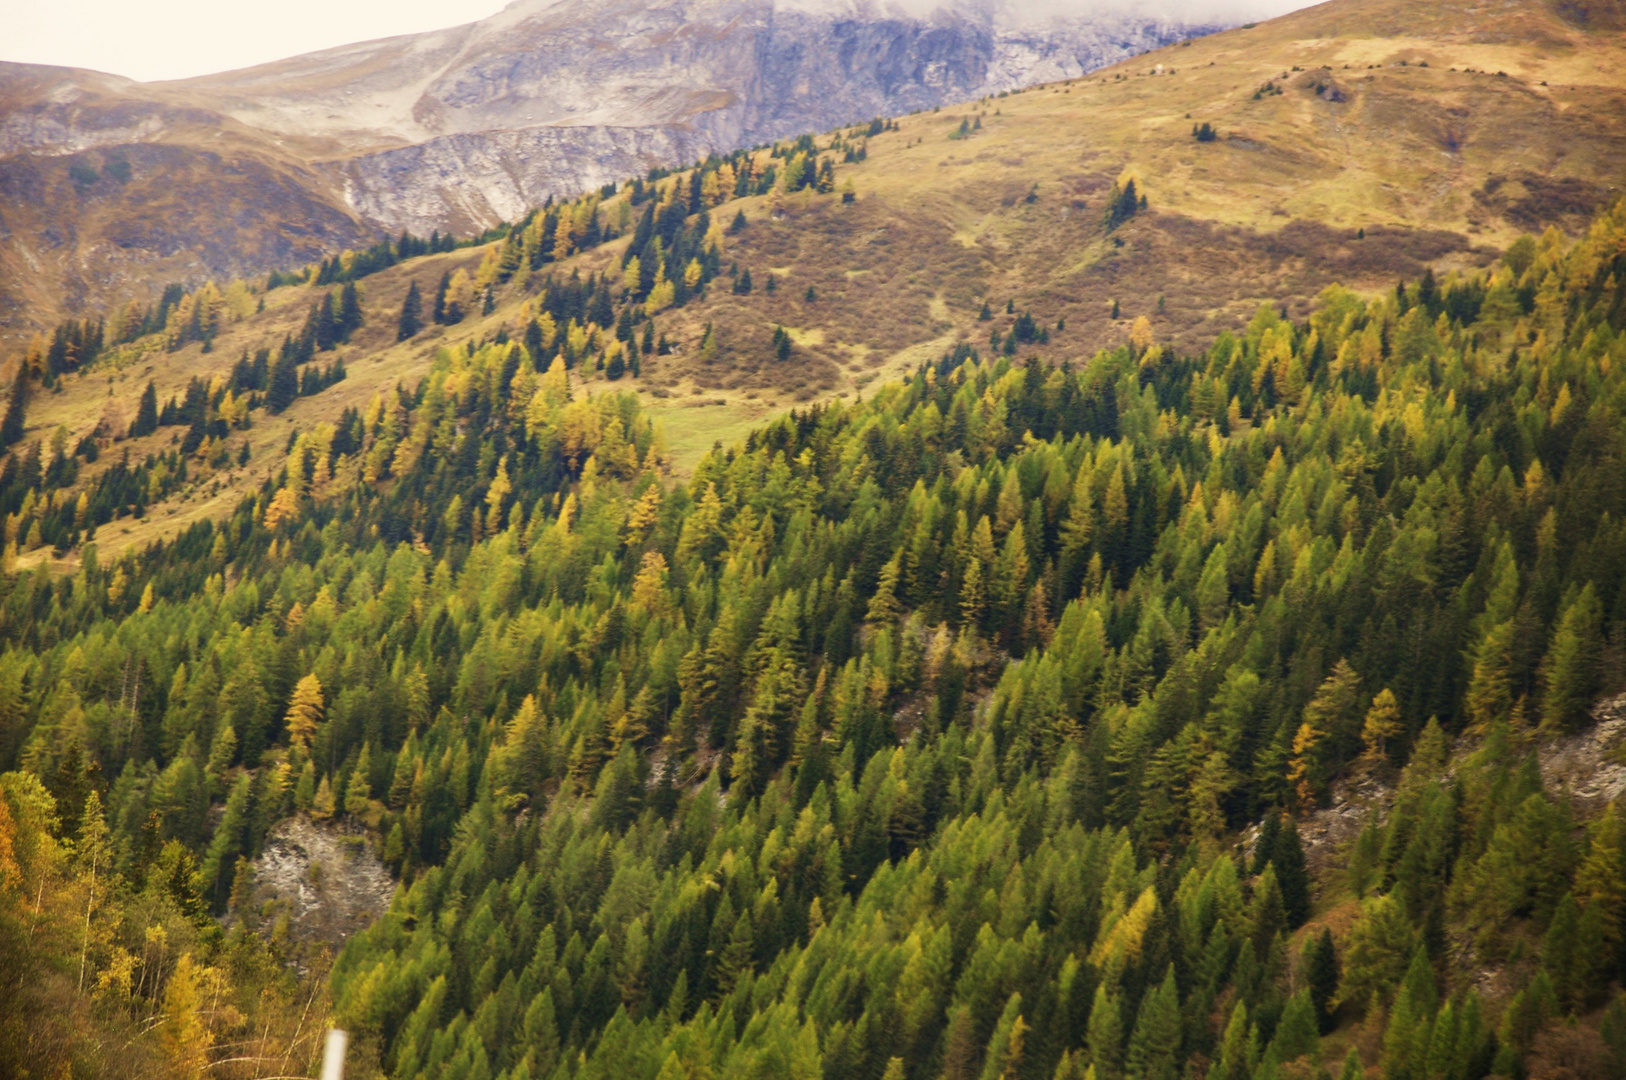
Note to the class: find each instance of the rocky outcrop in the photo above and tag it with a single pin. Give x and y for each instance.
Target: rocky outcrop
(559, 108)
(1590, 765)
(322, 878)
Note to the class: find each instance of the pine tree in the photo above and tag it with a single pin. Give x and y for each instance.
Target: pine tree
(1405, 1042)
(1558, 951)
(350, 317)
(438, 311)
(284, 386)
(14, 424)
(1287, 856)
(1490, 691)
(1105, 1036)
(1375, 959)
(1297, 1033)
(1003, 1060)
(1155, 1045)
(1320, 967)
(324, 323)
(884, 606)
(1570, 670)
(146, 418)
(411, 320)
(322, 806)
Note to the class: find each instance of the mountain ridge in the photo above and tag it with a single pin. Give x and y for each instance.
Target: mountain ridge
(461, 128)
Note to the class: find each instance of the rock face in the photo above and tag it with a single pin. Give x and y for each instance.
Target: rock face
(461, 128)
(323, 880)
(546, 98)
(1591, 764)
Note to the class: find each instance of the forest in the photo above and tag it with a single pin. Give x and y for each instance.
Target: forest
(963, 731)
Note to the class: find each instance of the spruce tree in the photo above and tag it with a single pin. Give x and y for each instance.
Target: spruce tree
(146, 419)
(1287, 855)
(1105, 1035)
(284, 386)
(324, 324)
(1297, 1033)
(350, 314)
(1154, 1046)
(15, 423)
(438, 311)
(1570, 670)
(1320, 967)
(411, 320)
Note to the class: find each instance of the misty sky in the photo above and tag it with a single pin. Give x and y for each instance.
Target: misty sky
(172, 39)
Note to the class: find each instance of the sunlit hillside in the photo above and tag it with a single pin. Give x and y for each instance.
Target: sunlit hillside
(1355, 143)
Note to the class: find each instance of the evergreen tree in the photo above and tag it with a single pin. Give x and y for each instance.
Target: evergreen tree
(323, 323)
(1154, 1047)
(358, 792)
(146, 418)
(1320, 967)
(1287, 856)
(350, 317)
(1105, 1036)
(14, 424)
(411, 320)
(284, 386)
(1570, 670)
(1297, 1033)
(438, 311)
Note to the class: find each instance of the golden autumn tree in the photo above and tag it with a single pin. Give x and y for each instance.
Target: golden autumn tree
(305, 711)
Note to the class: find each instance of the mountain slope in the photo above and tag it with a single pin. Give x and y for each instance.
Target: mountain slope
(461, 128)
(1300, 190)
(946, 734)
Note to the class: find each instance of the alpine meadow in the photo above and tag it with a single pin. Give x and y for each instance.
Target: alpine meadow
(1120, 579)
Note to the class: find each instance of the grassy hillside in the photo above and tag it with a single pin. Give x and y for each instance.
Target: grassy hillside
(1394, 143)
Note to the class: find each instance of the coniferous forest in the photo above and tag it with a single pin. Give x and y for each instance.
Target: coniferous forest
(966, 731)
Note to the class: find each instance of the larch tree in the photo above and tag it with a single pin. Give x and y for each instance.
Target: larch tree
(305, 712)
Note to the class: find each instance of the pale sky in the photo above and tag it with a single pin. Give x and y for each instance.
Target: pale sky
(174, 39)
